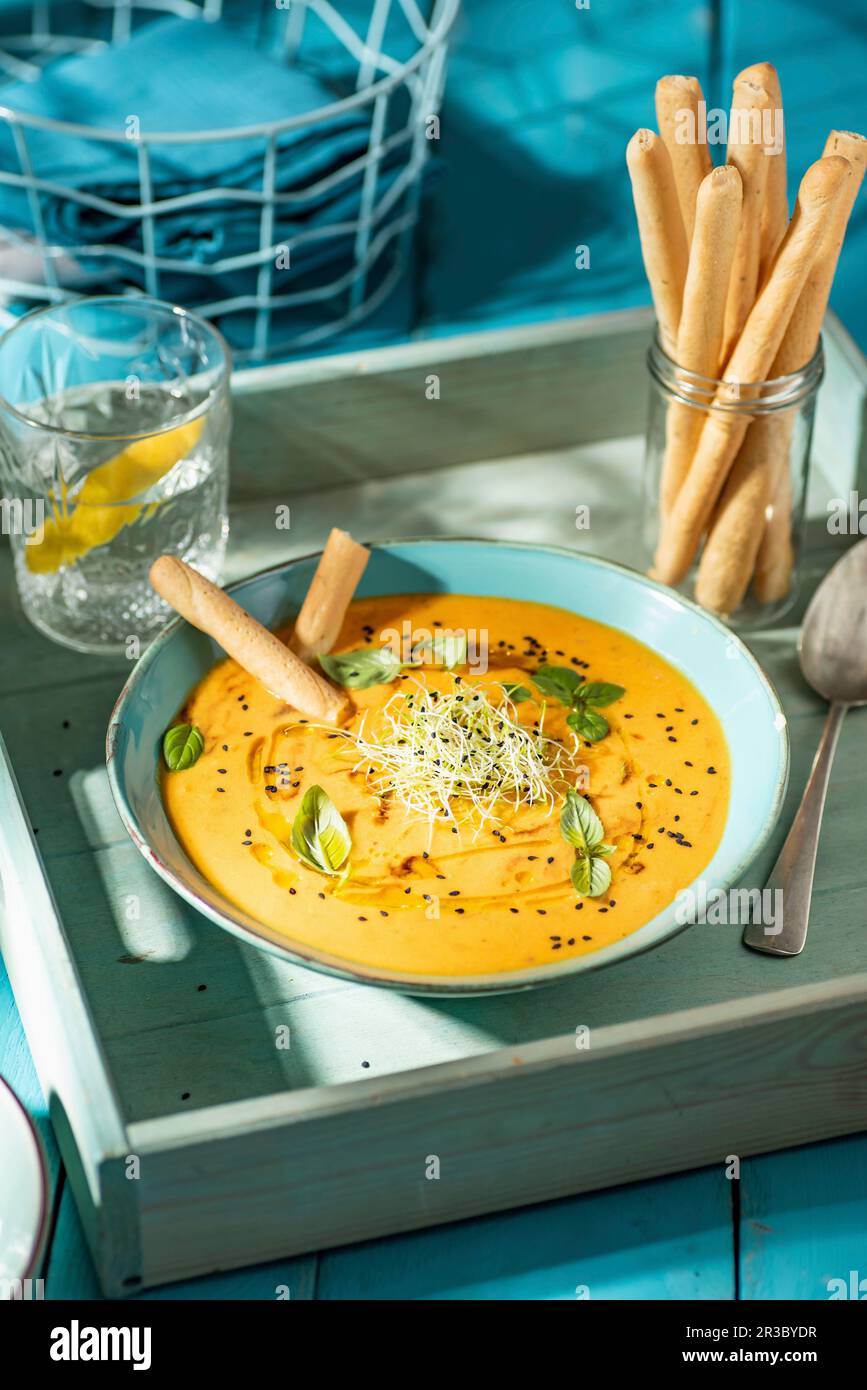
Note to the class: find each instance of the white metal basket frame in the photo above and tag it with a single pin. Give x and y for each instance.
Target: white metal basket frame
(422, 76)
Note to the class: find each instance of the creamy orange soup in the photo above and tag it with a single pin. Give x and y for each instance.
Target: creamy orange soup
(455, 897)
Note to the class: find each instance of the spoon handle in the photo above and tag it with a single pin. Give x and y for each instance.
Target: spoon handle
(793, 871)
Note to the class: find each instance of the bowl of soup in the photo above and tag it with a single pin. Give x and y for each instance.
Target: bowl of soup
(538, 765)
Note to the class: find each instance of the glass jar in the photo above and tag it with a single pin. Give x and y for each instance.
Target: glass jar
(114, 435)
(736, 550)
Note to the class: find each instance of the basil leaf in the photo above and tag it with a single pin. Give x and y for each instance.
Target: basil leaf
(590, 877)
(517, 693)
(600, 877)
(448, 649)
(320, 836)
(560, 682)
(579, 824)
(361, 669)
(598, 693)
(580, 876)
(588, 723)
(182, 746)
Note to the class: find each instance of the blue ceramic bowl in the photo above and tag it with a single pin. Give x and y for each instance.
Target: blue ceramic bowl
(690, 639)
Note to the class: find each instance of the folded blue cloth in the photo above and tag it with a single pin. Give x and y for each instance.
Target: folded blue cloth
(190, 77)
(187, 77)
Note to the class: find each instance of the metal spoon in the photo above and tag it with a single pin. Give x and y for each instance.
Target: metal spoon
(833, 653)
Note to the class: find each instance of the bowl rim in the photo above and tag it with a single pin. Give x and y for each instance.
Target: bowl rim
(30, 1267)
(503, 982)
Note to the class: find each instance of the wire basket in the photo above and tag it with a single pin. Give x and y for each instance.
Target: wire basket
(280, 261)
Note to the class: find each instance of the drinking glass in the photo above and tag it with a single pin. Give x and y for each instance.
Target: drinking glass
(114, 434)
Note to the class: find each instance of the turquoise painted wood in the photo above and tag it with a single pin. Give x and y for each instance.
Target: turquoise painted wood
(668, 1239)
(514, 200)
(804, 1222)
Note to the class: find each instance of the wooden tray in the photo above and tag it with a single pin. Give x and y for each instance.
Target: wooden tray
(193, 1141)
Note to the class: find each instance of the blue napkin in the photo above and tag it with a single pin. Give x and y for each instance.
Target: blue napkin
(182, 76)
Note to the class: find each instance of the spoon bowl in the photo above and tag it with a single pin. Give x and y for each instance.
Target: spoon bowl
(833, 643)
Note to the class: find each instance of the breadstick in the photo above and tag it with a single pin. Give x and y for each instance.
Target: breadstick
(730, 551)
(331, 588)
(775, 557)
(775, 213)
(660, 227)
(746, 151)
(677, 107)
(751, 361)
(251, 645)
(699, 339)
